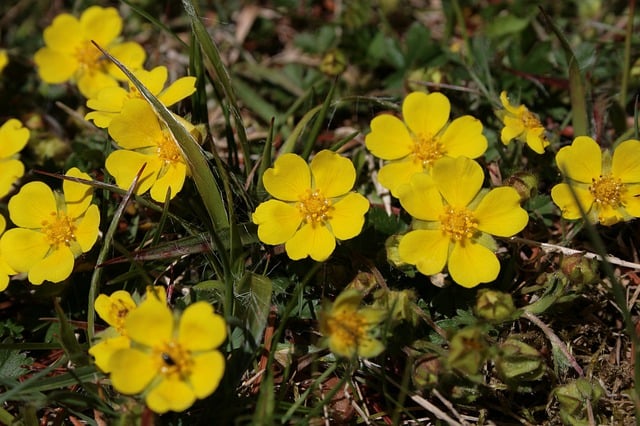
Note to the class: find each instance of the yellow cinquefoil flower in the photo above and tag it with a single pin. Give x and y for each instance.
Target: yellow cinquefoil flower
(313, 205)
(607, 188)
(425, 137)
(145, 140)
(109, 101)
(173, 363)
(4, 59)
(350, 330)
(522, 124)
(70, 55)
(5, 269)
(53, 230)
(13, 137)
(454, 221)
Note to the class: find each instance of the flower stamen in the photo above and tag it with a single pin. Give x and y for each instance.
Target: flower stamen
(168, 150)
(427, 149)
(60, 230)
(347, 327)
(174, 360)
(459, 224)
(315, 208)
(89, 57)
(607, 191)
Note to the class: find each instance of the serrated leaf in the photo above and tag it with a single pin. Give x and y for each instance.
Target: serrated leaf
(11, 364)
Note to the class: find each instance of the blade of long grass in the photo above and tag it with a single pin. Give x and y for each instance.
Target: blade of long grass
(317, 125)
(265, 161)
(626, 63)
(154, 21)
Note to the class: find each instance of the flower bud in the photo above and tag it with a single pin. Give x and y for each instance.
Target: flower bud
(572, 398)
(333, 63)
(467, 351)
(494, 305)
(519, 362)
(426, 370)
(579, 269)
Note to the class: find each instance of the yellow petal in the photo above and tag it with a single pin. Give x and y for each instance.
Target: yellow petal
(13, 137)
(109, 99)
(102, 24)
(173, 177)
(288, 179)
(124, 165)
(333, 175)
(499, 213)
(631, 200)
(471, 264)
(316, 242)
(625, 164)
(132, 56)
(389, 138)
(277, 221)
(206, 374)
(464, 137)
(22, 248)
(103, 350)
(55, 67)
(153, 80)
(369, 347)
(131, 370)
(426, 114)
(347, 218)
(178, 90)
(55, 266)
(564, 199)
(64, 35)
(458, 180)
(33, 205)
(137, 126)
(506, 104)
(100, 118)
(88, 228)
(10, 172)
(170, 395)
(201, 328)
(150, 324)
(77, 196)
(421, 198)
(509, 133)
(91, 83)
(397, 173)
(4, 281)
(536, 140)
(581, 161)
(426, 249)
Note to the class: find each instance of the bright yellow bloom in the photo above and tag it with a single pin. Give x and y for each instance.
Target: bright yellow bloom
(70, 55)
(53, 229)
(314, 205)
(173, 362)
(425, 137)
(5, 269)
(13, 137)
(608, 188)
(520, 123)
(109, 101)
(4, 59)
(145, 140)
(454, 220)
(349, 329)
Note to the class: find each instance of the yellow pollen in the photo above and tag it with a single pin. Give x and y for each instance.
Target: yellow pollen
(60, 230)
(427, 149)
(607, 191)
(530, 121)
(314, 208)
(174, 360)
(459, 224)
(168, 150)
(89, 57)
(119, 311)
(349, 327)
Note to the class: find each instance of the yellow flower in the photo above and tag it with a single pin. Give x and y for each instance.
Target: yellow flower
(313, 205)
(520, 123)
(114, 310)
(4, 59)
(145, 140)
(53, 230)
(13, 137)
(108, 102)
(454, 221)
(174, 364)
(425, 137)
(5, 269)
(608, 188)
(70, 55)
(349, 329)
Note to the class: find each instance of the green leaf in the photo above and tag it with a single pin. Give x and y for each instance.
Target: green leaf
(253, 302)
(75, 352)
(11, 364)
(506, 24)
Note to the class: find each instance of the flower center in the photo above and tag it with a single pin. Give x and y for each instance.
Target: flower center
(607, 190)
(119, 311)
(89, 57)
(530, 121)
(314, 208)
(168, 150)
(59, 230)
(459, 224)
(174, 359)
(427, 149)
(349, 327)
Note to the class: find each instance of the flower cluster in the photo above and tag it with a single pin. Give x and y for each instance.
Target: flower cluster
(170, 360)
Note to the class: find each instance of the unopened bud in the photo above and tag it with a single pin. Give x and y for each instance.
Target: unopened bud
(519, 362)
(494, 305)
(579, 269)
(467, 351)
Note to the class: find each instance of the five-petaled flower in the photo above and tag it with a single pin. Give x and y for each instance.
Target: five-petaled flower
(53, 229)
(607, 187)
(454, 220)
(314, 205)
(350, 330)
(522, 124)
(174, 362)
(109, 101)
(146, 141)
(13, 137)
(69, 53)
(425, 137)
